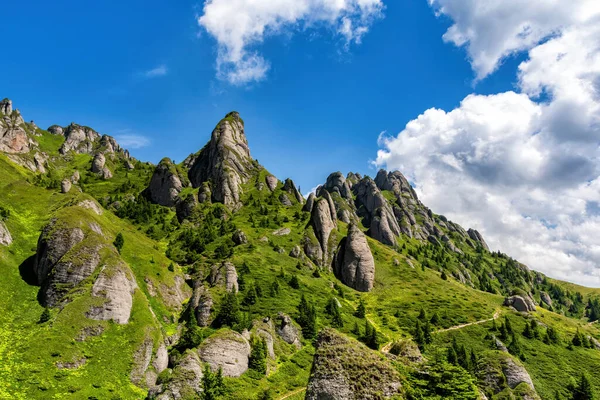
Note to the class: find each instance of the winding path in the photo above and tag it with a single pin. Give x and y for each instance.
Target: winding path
(483, 321)
(293, 393)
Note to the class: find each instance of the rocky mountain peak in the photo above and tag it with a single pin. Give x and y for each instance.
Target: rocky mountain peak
(225, 162)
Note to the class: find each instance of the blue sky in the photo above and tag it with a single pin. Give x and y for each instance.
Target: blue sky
(319, 110)
(491, 108)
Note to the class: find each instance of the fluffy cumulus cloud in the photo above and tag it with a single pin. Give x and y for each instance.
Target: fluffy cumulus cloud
(240, 25)
(524, 166)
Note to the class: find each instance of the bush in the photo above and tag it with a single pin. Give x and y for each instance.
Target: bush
(119, 242)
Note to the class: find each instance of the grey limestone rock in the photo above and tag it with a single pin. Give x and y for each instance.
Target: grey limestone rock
(165, 184)
(354, 264)
(201, 304)
(5, 237)
(286, 329)
(227, 350)
(116, 284)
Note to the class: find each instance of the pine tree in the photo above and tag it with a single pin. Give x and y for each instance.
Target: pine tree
(422, 315)
(427, 333)
(307, 318)
(250, 297)
(528, 333)
(444, 276)
(552, 335)
(294, 283)
(577, 339)
(119, 242)
(361, 310)
(229, 311)
(212, 384)
(333, 310)
(45, 316)
(418, 336)
(584, 389)
(435, 319)
(356, 329)
(514, 347)
(452, 357)
(258, 355)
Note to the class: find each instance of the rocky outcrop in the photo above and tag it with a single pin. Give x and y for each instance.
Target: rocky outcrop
(337, 183)
(285, 200)
(226, 274)
(161, 359)
(98, 163)
(5, 237)
(227, 350)
(225, 162)
(344, 369)
(515, 373)
(520, 303)
(476, 236)
(290, 187)
(79, 139)
(201, 304)
(546, 298)
(116, 286)
(376, 212)
(286, 329)
(296, 252)
(165, 184)
(323, 224)
(13, 135)
(353, 263)
(185, 381)
(91, 205)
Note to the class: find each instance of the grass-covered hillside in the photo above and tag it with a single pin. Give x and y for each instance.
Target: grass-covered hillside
(226, 292)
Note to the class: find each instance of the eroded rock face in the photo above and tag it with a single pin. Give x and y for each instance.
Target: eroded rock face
(165, 184)
(516, 373)
(116, 285)
(271, 182)
(201, 303)
(522, 304)
(186, 380)
(546, 298)
(239, 237)
(290, 187)
(56, 130)
(344, 369)
(5, 237)
(354, 264)
(65, 186)
(310, 202)
(501, 372)
(227, 350)
(6, 107)
(225, 162)
(323, 225)
(185, 207)
(79, 139)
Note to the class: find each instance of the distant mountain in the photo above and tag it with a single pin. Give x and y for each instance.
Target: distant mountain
(214, 279)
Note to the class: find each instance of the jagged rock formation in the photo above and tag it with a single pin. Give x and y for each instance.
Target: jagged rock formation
(184, 207)
(55, 130)
(337, 183)
(310, 202)
(344, 369)
(498, 370)
(353, 263)
(185, 381)
(271, 182)
(228, 350)
(13, 134)
(98, 163)
(165, 184)
(201, 304)
(79, 139)
(286, 329)
(116, 285)
(5, 237)
(546, 298)
(225, 162)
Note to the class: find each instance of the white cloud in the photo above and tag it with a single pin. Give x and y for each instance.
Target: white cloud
(161, 70)
(494, 29)
(132, 140)
(521, 167)
(239, 25)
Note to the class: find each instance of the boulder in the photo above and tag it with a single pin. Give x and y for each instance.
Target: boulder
(353, 263)
(515, 373)
(225, 162)
(106, 173)
(201, 304)
(165, 184)
(65, 186)
(296, 252)
(5, 237)
(75, 177)
(227, 350)
(239, 237)
(98, 163)
(286, 329)
(55, 130)
(116, 285)
(522, 304)
(344, 369)
(271, 182)
(282, 232)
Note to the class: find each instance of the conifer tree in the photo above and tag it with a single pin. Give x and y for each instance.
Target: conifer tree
(361, 310)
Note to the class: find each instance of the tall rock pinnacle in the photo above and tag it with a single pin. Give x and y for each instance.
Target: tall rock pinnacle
(225, 162)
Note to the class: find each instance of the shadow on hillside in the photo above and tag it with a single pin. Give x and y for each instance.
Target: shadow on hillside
(27, 273)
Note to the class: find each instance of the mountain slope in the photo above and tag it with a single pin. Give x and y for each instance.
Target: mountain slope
(222, 264)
